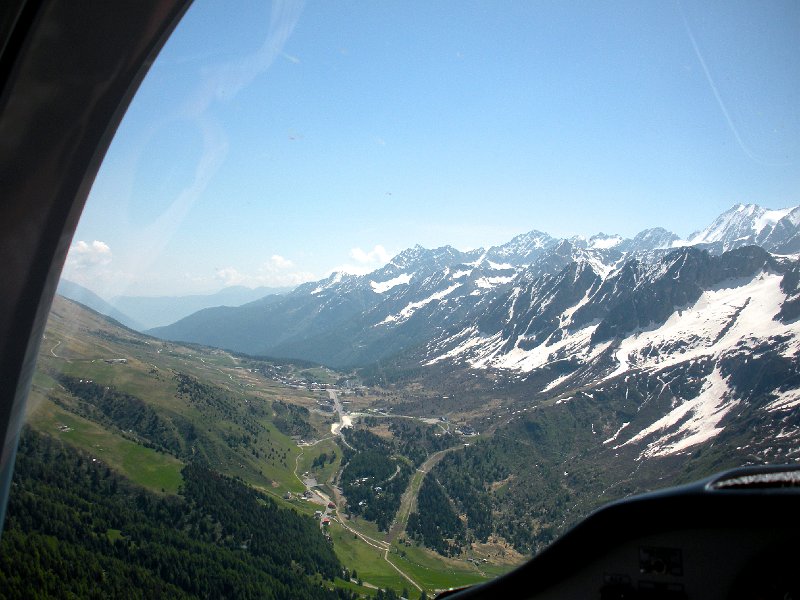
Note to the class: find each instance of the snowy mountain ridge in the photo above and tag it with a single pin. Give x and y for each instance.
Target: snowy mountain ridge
(774, 230)
(688, 318)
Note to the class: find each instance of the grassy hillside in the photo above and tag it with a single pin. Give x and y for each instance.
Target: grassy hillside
(203, 400)
(148, 410)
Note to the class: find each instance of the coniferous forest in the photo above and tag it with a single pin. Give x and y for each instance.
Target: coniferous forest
(76, 529)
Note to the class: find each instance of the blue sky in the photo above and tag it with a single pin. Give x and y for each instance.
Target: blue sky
(273, 143)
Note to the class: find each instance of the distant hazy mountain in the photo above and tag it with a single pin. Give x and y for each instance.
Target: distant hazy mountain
(78, 293)
(162, 310)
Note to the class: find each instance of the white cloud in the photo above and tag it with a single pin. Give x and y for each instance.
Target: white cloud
(278, 262)
(278, 271)
(366, 261)
(90, 264)
(83, 255)
(378, 255)
(230, 276)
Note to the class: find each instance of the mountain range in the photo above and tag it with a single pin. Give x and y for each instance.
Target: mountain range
(444, 304)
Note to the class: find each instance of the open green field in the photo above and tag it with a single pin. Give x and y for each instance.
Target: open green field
(310, 453)
(362, 590)
(78, 343)
(493, 571)
(131, 377)
(368, 561)
(319, 374)
(432, 571)
(409, 500)
(281, 475)
(148, 468)
(368, 528)
(302, 506)
(161, 394)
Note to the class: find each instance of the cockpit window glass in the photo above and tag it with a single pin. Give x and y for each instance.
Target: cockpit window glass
(439, 278)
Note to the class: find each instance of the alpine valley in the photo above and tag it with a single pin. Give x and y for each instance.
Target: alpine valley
(589, 368)
(441, 418)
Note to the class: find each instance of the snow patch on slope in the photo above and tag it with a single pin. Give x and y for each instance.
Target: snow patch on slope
(598, 266)
(566, 317)
(616, 434)
(690, 423)
(499, 266)
(478, 260)
(604, 243)
(517, 359)
(719, 320)
(771, 218)
(412, 307)
(490, 282)
(328, 283)
(742, 222)
(556, 382)
(385, 286)
(785, 401)
(474, 341)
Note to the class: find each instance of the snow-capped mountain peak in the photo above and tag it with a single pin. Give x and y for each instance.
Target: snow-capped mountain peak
(601, 241)
(522, 248)
(751, 224)
(656, 238)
